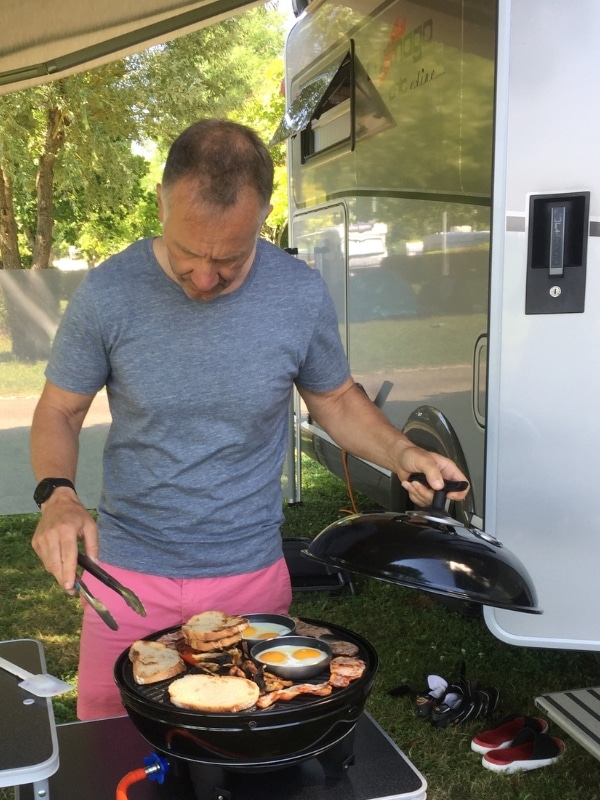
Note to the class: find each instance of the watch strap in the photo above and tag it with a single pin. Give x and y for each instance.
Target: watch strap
(46, 487)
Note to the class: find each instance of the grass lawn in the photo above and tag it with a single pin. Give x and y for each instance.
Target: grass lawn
(414, 342)
(18, 378)
(413, 634)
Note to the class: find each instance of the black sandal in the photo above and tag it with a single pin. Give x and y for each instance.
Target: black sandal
(423, 701)
(465, 700)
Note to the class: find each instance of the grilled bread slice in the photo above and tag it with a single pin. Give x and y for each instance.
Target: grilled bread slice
(214, 645)
(214, 693)
(212, 626)
(154, 661)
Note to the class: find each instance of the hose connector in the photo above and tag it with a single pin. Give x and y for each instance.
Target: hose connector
(156, 767)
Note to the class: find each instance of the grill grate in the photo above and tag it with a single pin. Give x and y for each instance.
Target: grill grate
(158, 693)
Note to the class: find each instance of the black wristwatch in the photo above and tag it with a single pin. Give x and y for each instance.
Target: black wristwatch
(46, 486)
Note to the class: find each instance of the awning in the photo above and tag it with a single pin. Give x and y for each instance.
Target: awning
(41, 40)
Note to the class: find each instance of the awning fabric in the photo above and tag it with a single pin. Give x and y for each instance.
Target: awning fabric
(41, 40)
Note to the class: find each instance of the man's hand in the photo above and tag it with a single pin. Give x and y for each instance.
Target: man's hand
(64, 522)
(436, 469)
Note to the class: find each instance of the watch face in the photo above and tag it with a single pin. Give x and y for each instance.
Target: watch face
(43, 491)
(46, 486)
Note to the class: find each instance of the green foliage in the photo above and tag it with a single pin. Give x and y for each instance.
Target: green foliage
(94, 167)
(213, 72)
(101, 194)
(262, 111)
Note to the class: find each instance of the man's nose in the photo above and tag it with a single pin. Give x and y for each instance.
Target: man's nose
(205, 278)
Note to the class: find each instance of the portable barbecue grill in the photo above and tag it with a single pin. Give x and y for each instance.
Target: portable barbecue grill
(98, 754)
(258, 740)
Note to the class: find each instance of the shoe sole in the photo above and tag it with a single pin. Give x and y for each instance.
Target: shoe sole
(519, 766)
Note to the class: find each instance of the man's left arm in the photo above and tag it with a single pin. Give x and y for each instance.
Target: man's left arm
(357, 426)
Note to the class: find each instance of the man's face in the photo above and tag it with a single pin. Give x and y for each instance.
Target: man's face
(210, 250)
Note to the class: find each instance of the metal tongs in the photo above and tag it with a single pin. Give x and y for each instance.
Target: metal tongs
(132, 600)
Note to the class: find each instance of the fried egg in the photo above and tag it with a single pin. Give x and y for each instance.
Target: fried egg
(292, 656)
(264, 630)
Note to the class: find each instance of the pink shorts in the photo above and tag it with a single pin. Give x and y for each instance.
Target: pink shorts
(168, 602)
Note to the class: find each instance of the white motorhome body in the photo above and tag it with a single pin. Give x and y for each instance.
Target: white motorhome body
(440, 122)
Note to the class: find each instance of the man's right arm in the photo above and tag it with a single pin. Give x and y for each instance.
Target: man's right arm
(55, 430)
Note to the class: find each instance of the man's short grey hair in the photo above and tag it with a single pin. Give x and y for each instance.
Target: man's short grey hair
(223, 157)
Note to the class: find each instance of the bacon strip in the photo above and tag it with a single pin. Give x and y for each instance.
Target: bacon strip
(320, 689)
(345, 669)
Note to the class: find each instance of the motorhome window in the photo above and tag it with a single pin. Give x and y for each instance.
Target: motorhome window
(306, 101)
(332, 121)
(349, 110)
(336, 106)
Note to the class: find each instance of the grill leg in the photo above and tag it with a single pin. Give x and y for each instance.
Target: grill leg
(338, 758)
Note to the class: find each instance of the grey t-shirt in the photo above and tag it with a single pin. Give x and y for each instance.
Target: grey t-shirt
(199, 396)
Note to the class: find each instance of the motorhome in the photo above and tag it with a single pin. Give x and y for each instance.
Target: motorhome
(390, 119)
(468, 131)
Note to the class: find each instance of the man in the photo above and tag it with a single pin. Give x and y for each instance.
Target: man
(199, 336)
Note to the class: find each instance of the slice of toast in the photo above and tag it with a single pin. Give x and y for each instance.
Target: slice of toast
(215, 644)
(154, 661)
(213, 693)
(209, 626)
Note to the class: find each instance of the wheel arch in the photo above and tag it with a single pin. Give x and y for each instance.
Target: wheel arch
(429, 428)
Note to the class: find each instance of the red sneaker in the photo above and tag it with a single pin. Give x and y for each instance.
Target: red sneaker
(529, 750)
(502, 735)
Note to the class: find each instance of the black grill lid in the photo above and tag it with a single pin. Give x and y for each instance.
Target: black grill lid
(431, 551)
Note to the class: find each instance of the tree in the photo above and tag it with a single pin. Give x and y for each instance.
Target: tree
(263, 111)
(67, 139)
(69, 173)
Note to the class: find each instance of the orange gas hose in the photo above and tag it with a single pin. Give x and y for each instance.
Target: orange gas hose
(135, 776)
(348, 484)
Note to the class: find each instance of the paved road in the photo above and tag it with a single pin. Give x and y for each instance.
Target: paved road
(17, 412)
(16, 477)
